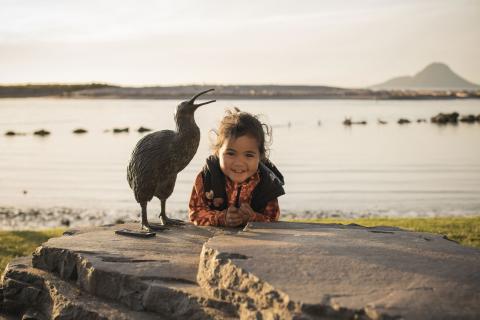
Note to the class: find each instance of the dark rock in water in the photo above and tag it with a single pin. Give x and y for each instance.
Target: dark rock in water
(403, 121)
(143, 129)
(349, 122)
(469, 119)
(41, 132)
(421, 120)
(120, 130)
(13, 133)
(381, 121)
(478, 118)
(79, 131)
(444, 118)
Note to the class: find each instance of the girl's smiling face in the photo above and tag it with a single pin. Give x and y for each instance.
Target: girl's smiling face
(239, 158)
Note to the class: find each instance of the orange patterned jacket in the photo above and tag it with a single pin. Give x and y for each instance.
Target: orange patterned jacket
(200, 203)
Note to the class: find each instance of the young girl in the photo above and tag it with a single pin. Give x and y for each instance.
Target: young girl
(238, 183)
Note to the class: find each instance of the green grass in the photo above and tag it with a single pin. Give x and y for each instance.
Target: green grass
(464, 230)
(22, 243)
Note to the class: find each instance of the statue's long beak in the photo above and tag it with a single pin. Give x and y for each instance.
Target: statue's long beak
(198, 95)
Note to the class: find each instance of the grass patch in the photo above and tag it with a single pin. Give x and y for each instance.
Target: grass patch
(464, 230)
(22, 243)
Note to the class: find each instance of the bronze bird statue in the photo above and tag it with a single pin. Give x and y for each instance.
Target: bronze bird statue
(159, 157)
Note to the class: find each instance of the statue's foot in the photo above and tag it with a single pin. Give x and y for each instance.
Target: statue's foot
(156, 227)
(171, 222)
(140, 233)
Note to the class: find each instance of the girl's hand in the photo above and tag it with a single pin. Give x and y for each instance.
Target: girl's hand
(247, 212)
(233, 217)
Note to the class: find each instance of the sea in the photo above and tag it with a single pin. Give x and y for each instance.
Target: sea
(419, 169)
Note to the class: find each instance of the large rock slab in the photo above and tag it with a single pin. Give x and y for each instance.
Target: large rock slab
(156, 274)
(310, 271)
(35, 294)
(269, 271)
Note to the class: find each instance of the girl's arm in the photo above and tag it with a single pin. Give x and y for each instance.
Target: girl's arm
(199, 211)
(272, 210)
(270, 214)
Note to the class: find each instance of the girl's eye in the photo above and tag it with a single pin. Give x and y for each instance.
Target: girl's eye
(250, 155)
(229, 153)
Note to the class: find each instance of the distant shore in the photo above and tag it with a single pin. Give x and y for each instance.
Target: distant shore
(227, 92)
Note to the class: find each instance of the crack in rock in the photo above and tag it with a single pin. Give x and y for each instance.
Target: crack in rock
(226, 256)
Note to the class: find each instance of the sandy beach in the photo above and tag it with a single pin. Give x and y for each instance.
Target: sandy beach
(43, 218)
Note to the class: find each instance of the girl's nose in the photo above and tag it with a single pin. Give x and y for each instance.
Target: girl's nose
(238, 164)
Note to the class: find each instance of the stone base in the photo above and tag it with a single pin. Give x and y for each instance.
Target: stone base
(266, 271)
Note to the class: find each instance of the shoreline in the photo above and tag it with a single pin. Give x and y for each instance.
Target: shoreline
(36, 218)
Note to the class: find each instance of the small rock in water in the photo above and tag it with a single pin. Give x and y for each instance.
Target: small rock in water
(468, 119)
(443, 118)
(349, 122)
(13, 133)
(421, 120)
(41, 132)
(79, 131)
(403, 121)
(144, 129)
(120, 130)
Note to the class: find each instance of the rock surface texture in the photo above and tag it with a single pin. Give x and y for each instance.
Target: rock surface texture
(266, 271)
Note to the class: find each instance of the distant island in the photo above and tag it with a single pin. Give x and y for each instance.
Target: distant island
(435, 76)
(436, 81)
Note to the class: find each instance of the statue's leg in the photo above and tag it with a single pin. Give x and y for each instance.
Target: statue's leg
(145, 224)
(167, 221)
(146, 229)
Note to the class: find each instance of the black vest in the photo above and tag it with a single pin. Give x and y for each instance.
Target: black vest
(269, 187)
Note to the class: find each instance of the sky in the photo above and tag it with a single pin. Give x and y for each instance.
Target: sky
(348, 43)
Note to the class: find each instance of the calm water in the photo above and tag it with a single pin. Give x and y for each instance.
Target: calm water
(414, 169)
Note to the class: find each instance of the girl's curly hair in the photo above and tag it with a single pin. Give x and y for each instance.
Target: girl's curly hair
(238, 123)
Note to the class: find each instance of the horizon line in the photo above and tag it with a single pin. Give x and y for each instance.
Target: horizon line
(169, 85)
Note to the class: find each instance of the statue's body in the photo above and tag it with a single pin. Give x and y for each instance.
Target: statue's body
(159, 157)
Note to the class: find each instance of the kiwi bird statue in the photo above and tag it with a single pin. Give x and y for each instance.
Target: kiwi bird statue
(159, 157)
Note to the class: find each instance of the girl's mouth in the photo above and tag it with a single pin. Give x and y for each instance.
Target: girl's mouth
(238, 171)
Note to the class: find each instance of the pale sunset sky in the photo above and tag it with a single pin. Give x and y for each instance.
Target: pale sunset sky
(315, 42)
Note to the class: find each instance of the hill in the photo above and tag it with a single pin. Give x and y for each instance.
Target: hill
(435, 76)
